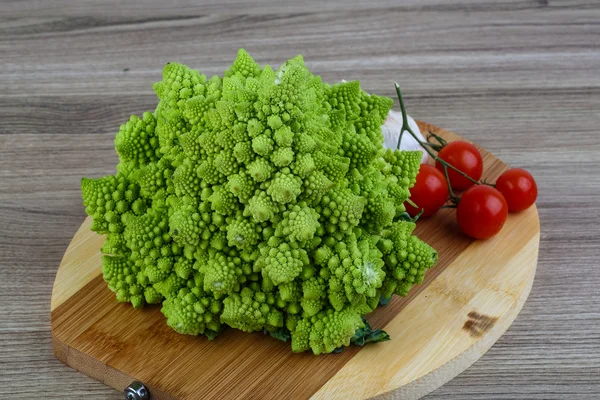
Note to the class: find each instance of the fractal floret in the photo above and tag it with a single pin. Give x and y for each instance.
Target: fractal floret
(263, 200)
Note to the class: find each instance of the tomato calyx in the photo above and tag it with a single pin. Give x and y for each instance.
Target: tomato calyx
(441, 142)
(485, 182)
(406, 216)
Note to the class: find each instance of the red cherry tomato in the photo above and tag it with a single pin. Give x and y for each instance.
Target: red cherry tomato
(518, 188)
(429, 193)
(465, 157)
(481, 212)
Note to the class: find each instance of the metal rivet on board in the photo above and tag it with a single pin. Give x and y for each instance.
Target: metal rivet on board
(136, 391)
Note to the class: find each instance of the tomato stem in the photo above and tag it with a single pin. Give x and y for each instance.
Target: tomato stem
(412, 203)
(441, 141)
(418, 215)
(453, 197)
(406, 127)
(406, 217)
(484, 182)
(434, 146)
(399, 139)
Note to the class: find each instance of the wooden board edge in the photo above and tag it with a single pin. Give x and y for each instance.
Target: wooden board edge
(442, 375)
(98, 370)
(66, 281)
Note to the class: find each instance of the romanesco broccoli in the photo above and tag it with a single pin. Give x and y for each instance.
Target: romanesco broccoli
(263, 200)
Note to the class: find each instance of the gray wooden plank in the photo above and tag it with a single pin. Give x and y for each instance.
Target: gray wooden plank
(518, 77)
(41, 8)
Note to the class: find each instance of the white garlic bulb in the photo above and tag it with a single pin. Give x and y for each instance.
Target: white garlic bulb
(391, 131)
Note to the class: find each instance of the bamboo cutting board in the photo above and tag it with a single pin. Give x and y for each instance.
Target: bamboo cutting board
(466, 302)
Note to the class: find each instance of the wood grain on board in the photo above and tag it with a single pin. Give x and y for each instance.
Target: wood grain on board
(464, 305)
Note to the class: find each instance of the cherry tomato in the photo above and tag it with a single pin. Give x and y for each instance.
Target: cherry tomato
(481, 212)
(518, 188)
(429, 193)
(465, 157)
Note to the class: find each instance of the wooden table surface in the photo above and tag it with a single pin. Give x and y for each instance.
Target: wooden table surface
(521, 78)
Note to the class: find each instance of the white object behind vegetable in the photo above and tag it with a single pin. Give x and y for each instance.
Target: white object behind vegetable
(391, 130)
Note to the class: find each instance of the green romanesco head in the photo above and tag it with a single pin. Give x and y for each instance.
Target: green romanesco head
(262, 200)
